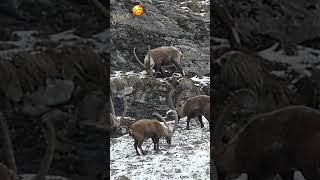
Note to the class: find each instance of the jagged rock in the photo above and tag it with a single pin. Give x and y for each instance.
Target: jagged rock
(56, 116)
(34, 110)
(39, 76)
(288, 21)
(162, 24)
(63, 147)
(91, 106)
(56, 92)
(10, 84)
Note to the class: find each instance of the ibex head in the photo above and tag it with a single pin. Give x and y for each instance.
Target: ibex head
(169, 131)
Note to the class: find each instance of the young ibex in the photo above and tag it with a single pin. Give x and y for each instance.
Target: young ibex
(114, 123)
(271, 143)
(159, 57)
(194, 107)
(151, 128)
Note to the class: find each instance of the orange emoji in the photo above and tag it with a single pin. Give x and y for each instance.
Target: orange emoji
(137, 10)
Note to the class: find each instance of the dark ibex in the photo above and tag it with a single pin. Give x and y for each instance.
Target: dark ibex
(6, 173)
(144, 129)
(194, 107)
(159, 57)
(46, 162)
(114, 123)
(270, 143)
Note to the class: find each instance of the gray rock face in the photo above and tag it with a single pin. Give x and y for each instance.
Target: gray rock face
(289, 21)
(34, 110)
(56, 92)
(14, 91)
(162, 24)
(91, 107)
(56, 116)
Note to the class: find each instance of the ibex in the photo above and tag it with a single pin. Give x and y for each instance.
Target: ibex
(114, 123)
(151, 128)
(159, 57)
(194, 107)
(6, 173)
(271, 143)
(11, 172)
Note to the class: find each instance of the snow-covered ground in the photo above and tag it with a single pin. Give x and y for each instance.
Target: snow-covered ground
(205, 80)
(118, 74)
(305, 58)
(187, 158)
(48, 177)
(30, 41)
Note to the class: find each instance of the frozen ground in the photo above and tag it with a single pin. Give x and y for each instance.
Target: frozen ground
(48, 177)
(188, 157)
(205, 80)
(305, 58)
(31, 41)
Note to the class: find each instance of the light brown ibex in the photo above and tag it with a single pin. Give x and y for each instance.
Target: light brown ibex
(194, 107)
(159, 57)
(271, 143)
(144, 129)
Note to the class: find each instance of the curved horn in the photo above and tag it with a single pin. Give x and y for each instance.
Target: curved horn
(8, 144)
(221, 120)
(176, 122)
(162, 119)
(138, 60)
(112, 106)
(125, 108)
(48, 156)
(170, 98)
(181, 95)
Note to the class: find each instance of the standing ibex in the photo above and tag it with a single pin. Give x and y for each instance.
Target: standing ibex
(194, 107)
(270, 143)
(159, 57)
(114, 123)
(144, 129)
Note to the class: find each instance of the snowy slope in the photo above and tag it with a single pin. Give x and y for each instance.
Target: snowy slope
(188, 157)
(305, 57)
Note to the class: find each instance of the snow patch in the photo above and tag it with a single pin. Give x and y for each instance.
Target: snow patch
(65, 35)
(119, 74)
(188, 157)
(298, 176)
(279, 73)
(200, 14)
(31, 176)
(205, 80)
(306, 57)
